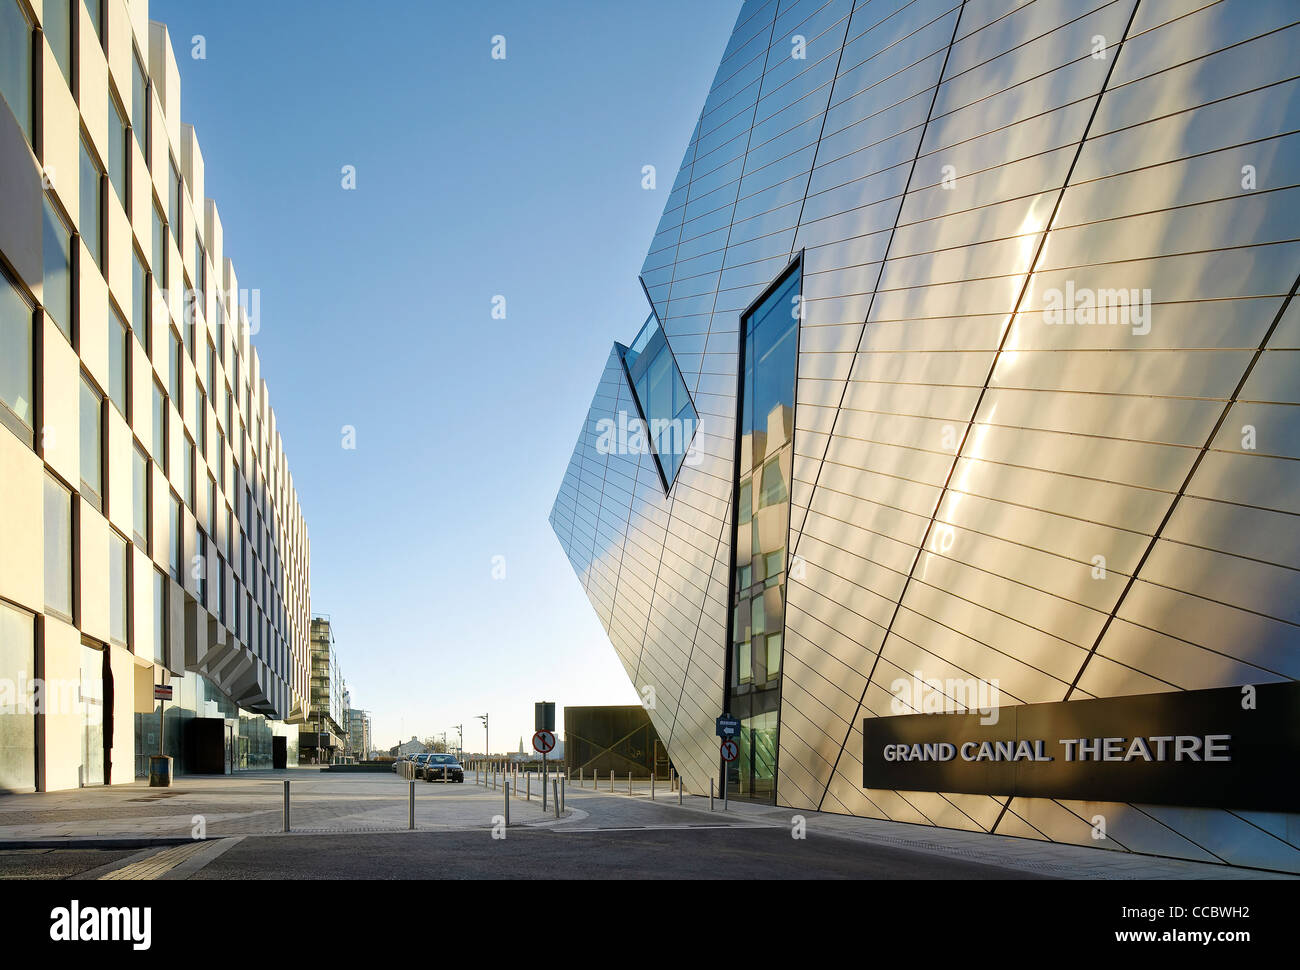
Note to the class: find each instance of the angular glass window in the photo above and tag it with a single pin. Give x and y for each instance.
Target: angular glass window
(661, 397)
(769, 334)
(16, 360)
(174, 203)
(57, 250)
(16, 63)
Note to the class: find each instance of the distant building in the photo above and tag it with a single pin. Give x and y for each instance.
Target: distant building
(358, 734)
(321, 736)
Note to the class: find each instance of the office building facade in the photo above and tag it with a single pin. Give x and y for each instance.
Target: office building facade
(958, 457)
(149, 527)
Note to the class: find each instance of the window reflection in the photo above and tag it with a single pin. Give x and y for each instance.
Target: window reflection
(769, 340)
(662, 398)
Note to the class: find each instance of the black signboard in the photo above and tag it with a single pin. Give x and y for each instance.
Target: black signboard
(1229, 747)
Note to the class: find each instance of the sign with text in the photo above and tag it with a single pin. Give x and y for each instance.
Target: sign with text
(727, 726)
(1229, 747)
(162, 692)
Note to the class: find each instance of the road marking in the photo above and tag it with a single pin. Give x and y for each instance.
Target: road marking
(175, 862)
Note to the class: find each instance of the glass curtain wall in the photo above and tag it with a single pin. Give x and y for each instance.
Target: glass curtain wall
(765, 456)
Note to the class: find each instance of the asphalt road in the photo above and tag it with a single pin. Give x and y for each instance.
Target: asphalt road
(738, 853)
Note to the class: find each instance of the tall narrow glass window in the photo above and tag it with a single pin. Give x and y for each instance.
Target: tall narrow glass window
(159, 427)
(140, 301)
(119, 142)
(178, 544)
(57, 23)
(57, 289)
(140, 106)
(16, 63)
(140, 498)
(159, 247)
(174, 203)
(119, 357)
(58, 549)
(92, 444)
(764, 459)
(17, 366)
(118, 588)
(95, 11)
(174, 368)
(661, 398)
(17, 718)
(92, 205)
(159, 617)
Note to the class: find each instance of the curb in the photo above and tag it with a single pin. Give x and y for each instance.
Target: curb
(98, 842)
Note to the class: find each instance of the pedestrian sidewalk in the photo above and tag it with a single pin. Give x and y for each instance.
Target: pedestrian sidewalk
(253, 804)
(1057, 859)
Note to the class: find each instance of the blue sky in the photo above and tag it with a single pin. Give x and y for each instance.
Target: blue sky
(474, 178)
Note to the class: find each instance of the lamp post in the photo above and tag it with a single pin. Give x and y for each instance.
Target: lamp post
(487, 746)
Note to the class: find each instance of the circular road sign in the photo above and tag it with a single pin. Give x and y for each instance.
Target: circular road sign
(544, 742)
(730, 750)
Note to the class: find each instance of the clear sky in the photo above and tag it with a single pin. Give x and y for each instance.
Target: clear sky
(475, 178)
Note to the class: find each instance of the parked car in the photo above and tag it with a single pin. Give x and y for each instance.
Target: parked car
(419, 761)
(440, 766)
(401, 760)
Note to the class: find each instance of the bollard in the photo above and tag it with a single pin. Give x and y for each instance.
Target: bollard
(412, 806)
(561, 797)
(679, 789)
(579, 777)
(507, 804)
(286, 805)
(652, 785)
(555, 788)
(529, 782)
(611, 781)
(710, 794)
(629, 782)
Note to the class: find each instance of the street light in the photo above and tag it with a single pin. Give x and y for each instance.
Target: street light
(487, 747)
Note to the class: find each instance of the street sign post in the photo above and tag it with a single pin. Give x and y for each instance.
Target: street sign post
(727, 726)
(730, 750)
(544, 742)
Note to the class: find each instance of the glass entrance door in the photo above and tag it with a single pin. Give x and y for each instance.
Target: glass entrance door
(91, 704)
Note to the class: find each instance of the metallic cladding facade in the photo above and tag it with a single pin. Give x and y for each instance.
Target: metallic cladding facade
(984, 485)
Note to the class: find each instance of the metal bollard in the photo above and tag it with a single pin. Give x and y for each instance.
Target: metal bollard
(679, 789)
(529, 782)
(652, 785)
(412, 805)
(507, 804)
(286, 805)
(561, 796)
(710, 794)
(611, 781)
(579, 777)
(629, 783)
